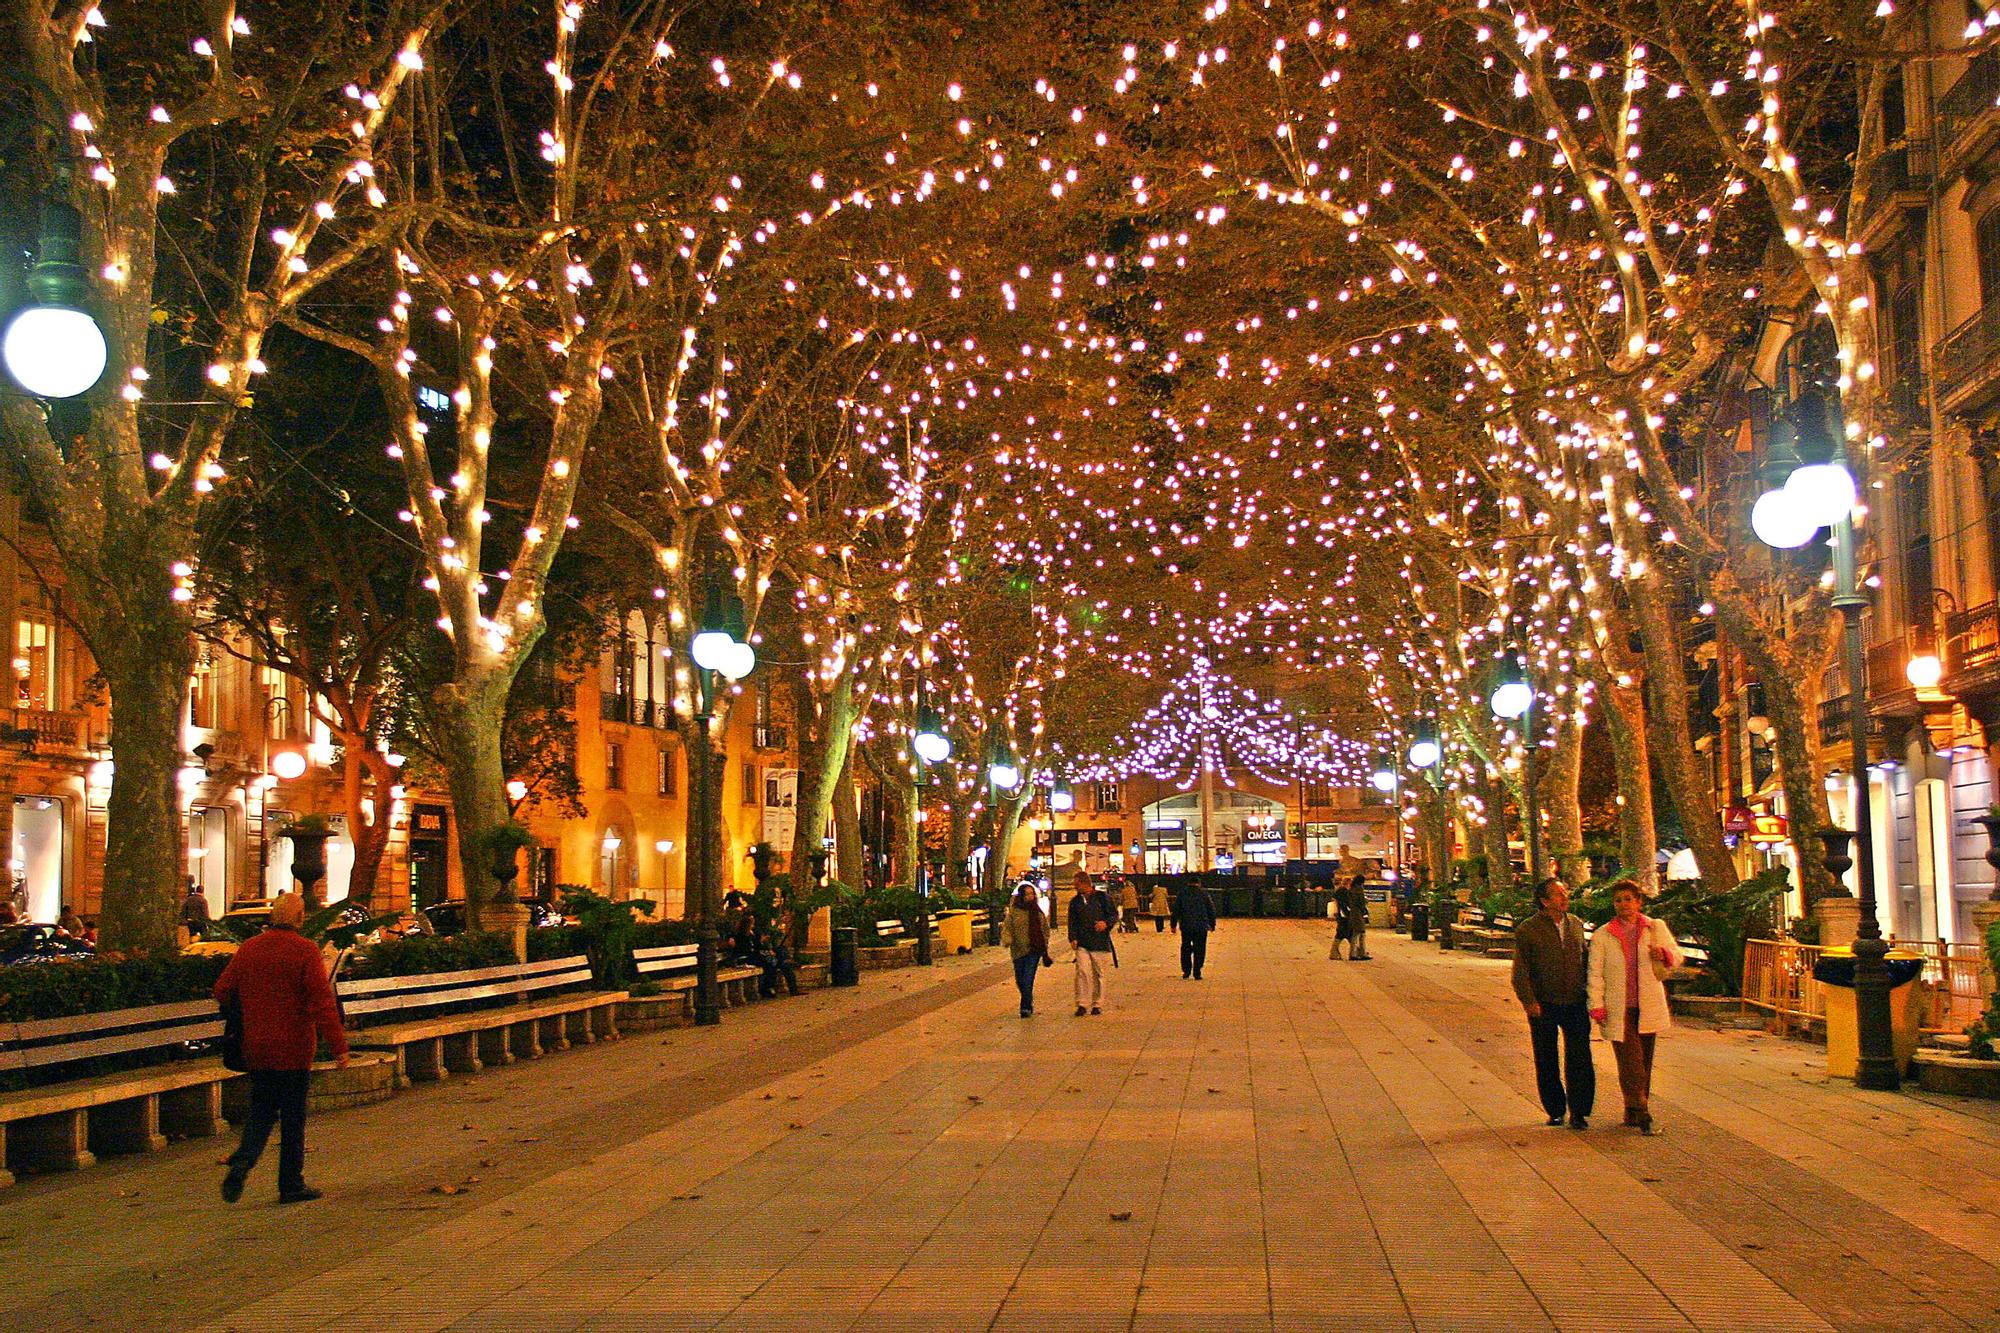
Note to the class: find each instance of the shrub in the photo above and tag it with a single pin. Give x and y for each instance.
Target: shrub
(414, 955)
(1722, 921)
(604, 925)
(659, 934)
(1986, 1031)
(555, 942)
(97, 985)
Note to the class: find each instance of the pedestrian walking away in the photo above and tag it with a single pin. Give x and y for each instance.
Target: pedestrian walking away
(1350, 920)
(1091, 917)
(278, 985)
(1551, 961)
(1629, 958)
(1128, 906)
(1196, 911)
(1025, 932)
(1161, 908)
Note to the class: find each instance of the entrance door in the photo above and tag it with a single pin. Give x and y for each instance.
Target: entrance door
(430, 871)
(37, 857)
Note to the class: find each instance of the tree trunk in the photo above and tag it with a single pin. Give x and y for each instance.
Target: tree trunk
(847, 849)
(1006, 820)
(142, 856)
(909, 832)
(826, 732)
(370, 835)
(1560, 781)
(1499, 859)
(958, 843)
(1625, 717)
(1670, 708)
(469, 713)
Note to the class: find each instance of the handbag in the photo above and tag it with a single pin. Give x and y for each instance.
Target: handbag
(232, 1037)
(1660, 968)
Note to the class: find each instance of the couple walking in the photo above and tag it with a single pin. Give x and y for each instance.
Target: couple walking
(1093, 916)
(1617, 982)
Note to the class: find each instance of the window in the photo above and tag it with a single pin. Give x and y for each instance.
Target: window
(1913, 514)
(1108, 797)
(1986, 243)
(763, 700)
(614, 766)
(1318, 795)
(753, 789)
(201, 692)
(35, 660)
(1906, 355)
(669, 778)
(1989, 491)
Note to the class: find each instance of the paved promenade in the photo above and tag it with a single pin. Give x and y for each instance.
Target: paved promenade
(1290, 1144)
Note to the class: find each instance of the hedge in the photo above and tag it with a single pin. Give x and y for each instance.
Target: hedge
(555, 942)
(657, 934)
(416, 954)
(99, 985)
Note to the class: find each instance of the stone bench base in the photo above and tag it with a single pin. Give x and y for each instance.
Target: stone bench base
(68, 1126)
(433, 1049)
(370, 1077)
(879, 956)
(651, 1013)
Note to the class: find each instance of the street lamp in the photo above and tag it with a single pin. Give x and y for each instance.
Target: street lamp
(53, 347)
(1821, 493)
(720, 647)
(1061, 800)
(1001, 770)
(1425, 752)
(1513, 697)
(930, 742)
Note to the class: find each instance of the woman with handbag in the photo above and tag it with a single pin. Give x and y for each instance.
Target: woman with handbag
(1629, 959)
(1025, 932)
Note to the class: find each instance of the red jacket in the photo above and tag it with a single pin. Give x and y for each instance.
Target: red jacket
(287, 1004)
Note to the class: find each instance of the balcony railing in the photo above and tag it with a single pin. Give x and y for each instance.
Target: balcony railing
(1903, 170)
(1974, 95)
(768, 737)
(1887, 663)
(60, 730)
(1833, 721)
(1968, 352)
(1972, 637)
(655, 713)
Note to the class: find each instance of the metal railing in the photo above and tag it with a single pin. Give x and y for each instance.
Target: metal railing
(655, 713)
(1833, 721)
(1778, 976)
(1972, 636)
(1902, 170)
(765, 736)
(1968, 351)
(1974, 95)
(49, 727)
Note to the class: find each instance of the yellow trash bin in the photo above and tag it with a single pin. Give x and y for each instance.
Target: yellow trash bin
(954, 932)
(1843, 1033)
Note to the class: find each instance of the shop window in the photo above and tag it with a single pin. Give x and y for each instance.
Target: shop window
(35, 661)
(669, 777)
(614, 767)
(752, 788)
(202, 709)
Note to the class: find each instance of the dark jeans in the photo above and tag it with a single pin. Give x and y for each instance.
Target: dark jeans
(1025, 968)
(1194, 951)
(774, 964)
(1576, 1070)
(277, 1097)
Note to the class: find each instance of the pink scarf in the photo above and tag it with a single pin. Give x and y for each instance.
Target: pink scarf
(1629, 938)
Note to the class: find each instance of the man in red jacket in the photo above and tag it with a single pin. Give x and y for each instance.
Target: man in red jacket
(278, 979)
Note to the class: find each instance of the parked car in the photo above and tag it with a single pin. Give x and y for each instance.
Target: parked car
(39, 942)
(448, 918)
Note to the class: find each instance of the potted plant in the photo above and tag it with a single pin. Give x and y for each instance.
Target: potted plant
(1990, 821)
(308, 835)
(503, 852)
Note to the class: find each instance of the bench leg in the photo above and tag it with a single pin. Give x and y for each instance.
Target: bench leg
(192, 1113)
(524, 1039)
(602, 1022)
(554, 1032)
(493, 1044)
(58, 1142)
(421, 1060)
(128, 1126)
(576, 1028)
(6, 1176)
(461, 1053)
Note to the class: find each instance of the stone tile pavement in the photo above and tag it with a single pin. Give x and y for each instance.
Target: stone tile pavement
(1290, 1144)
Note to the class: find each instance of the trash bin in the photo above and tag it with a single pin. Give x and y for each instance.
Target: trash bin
(845, 963)
(1420, 921)
(1835, 973)
(954, 932)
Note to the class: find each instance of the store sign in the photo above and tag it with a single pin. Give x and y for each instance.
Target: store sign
(1737, 818)
(427, 821)
(1768, 828)
(1087, 837)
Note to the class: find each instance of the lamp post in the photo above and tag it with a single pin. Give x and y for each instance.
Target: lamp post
(53, 347)
(1389, 782)
(1514, 697)
(1799, 498)
(720, 648)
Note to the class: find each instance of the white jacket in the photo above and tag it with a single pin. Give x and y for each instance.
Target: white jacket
(1607, 978)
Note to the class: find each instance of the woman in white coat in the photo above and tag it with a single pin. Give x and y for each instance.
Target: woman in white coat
(1628, 956)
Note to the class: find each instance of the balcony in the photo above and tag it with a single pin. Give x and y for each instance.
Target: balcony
(1968, 361)
(1972, 638)
(655, 713)
(1833, 722)
(764, 736)
(1899, 183)
(38, 727)
(1965, 114)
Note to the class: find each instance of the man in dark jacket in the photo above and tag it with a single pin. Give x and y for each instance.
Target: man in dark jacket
(1551, 979)
(280, 984)
(1092, 914)
(1196, 913)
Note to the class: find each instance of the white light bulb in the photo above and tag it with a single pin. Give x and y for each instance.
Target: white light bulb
(709, 648)
(1512, 699)
(54, 351)
(738, 661)
(1004, 776)
(1384, 780)
(1924, 671)
(1822, 492)
(1778, 520)
(1425, 753)
(931, 747)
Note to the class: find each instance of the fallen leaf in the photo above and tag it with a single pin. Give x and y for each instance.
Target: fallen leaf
(445, 1189)
(1125, 1216)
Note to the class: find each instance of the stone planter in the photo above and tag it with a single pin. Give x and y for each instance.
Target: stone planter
(651, 1013)
(370, 1077)
(813, 976)
(1716, 1009)
(879, 956)
(1959, 1075)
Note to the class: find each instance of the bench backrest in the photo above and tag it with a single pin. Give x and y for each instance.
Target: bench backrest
(665, 960)
(383, 998)
(886, 929)
(53, 1041)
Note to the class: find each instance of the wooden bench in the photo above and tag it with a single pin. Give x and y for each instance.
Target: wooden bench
(62, 1127)
(432, 1045)
(674, 967)
(893, 931)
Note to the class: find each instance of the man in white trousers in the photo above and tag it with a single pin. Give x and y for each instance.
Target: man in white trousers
(1092, 914)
